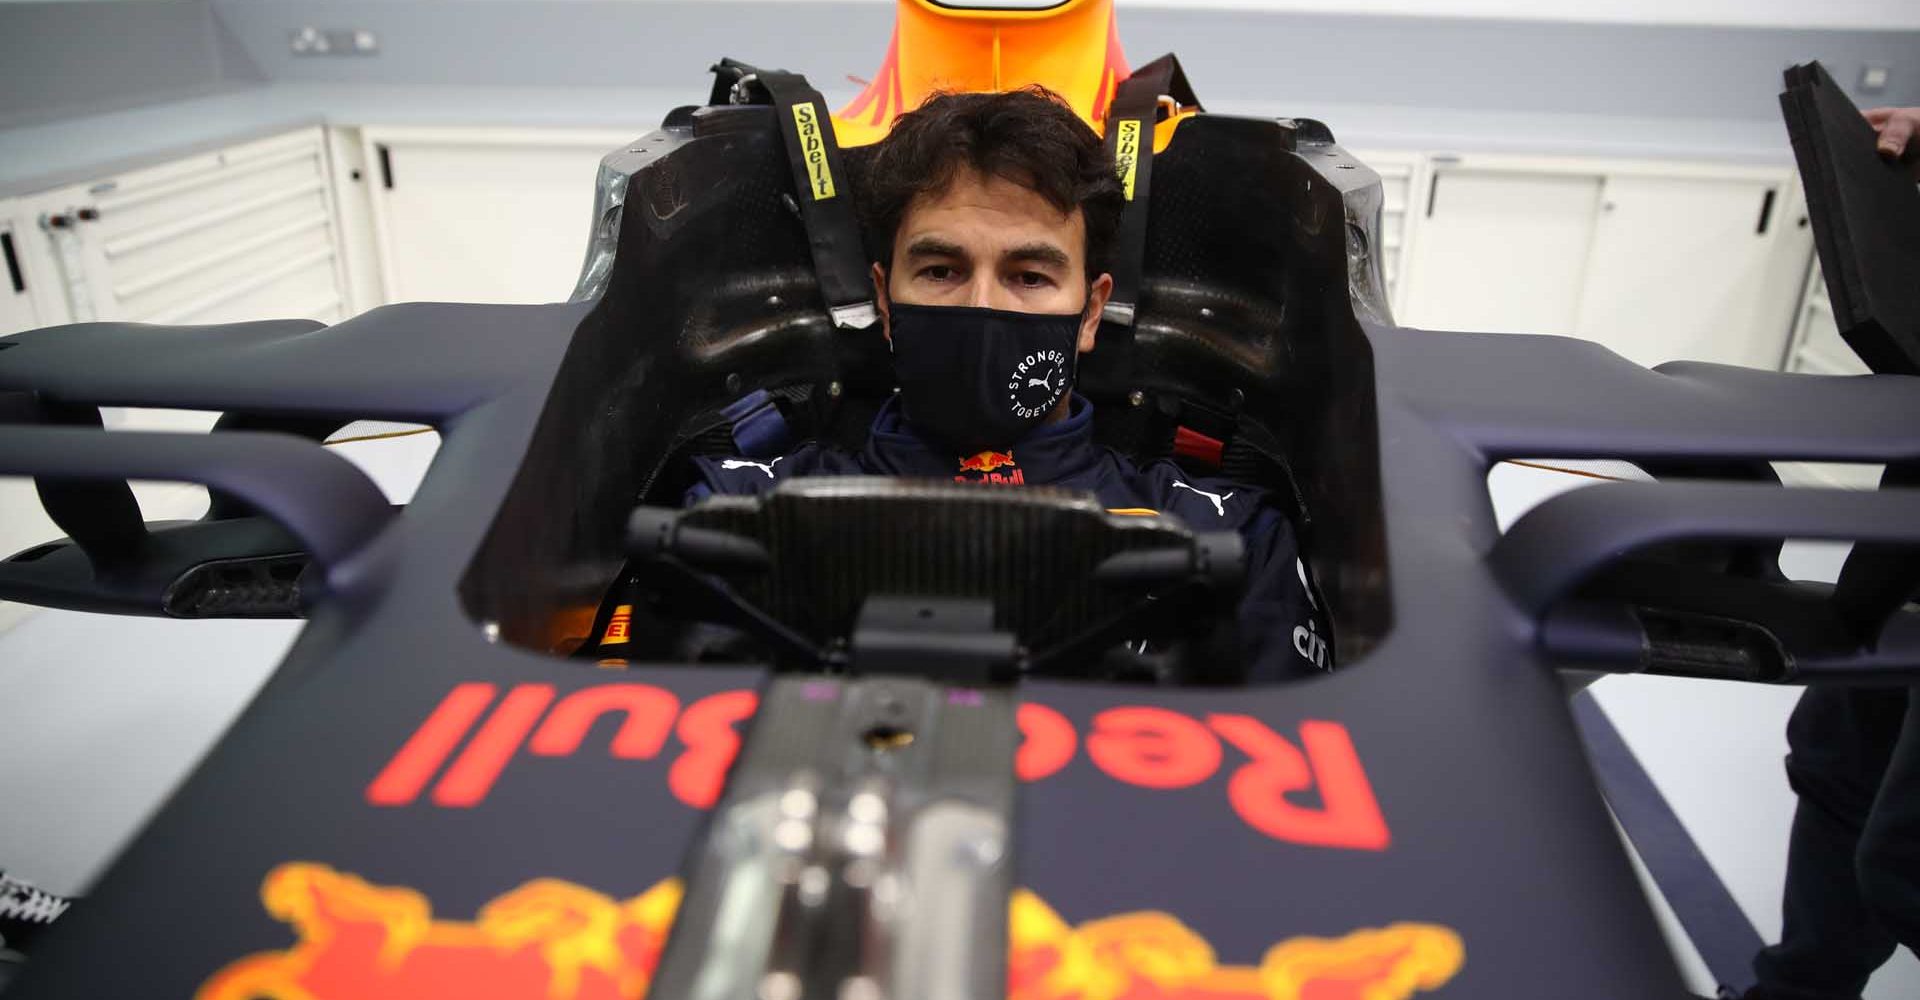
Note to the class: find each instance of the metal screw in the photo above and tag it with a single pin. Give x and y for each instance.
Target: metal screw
(833, 390)
(866, 807)
(798, 803)
(1206, 312)
(773, 301)
(490, 631)
(733, 382)
(860, 873)
(792, 835)
(1136, 397)
(863, 838)
(814, 883)
(886, 890)
(860, 988)
(780, 986)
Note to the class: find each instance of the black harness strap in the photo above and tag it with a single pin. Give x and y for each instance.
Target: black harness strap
(1130, 120)
(824, 200)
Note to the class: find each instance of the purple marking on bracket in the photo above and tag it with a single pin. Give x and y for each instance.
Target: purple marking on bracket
(820, 690)
(963, 696)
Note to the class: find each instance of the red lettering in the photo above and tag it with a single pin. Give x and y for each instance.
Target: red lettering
(472, 775)
(1152, 747)
(649, 710)
(1349, 815)
(1047, 745)
(400, 782)
(1141, 745)
(706, 728)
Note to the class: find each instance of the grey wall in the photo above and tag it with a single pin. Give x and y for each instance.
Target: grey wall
(1456, 63)
(622, 43)
(61, 60)
(1603, 69)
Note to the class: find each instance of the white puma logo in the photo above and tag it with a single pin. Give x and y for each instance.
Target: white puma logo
(1041, 382)
(741, 463)
(1219, 502)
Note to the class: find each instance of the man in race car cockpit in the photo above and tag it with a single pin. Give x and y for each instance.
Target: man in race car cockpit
(993, 213)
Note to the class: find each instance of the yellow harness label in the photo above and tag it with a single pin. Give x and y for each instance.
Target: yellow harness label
(1126, 153)
(813, 146)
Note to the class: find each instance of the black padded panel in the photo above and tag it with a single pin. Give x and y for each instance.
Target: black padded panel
(1866, 221)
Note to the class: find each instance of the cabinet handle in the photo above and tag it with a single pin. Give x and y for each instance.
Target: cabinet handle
(88, 214)
(386, 166)
(13, 262)
(1433, 190)
(1766, 213)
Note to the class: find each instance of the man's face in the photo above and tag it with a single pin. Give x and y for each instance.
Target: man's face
(988, 242)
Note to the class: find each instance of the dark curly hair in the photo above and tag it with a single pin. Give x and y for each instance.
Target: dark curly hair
(1029, 137)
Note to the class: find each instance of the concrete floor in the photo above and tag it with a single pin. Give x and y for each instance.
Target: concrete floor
(100, 717)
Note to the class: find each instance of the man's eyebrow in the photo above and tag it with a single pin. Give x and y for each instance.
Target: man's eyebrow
(929, 246)
(1039, 253)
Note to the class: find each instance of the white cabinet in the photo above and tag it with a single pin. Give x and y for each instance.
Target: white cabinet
(1817, 345)
(1401, 174)
(1657, 261)
(1818, 349)
(245, 232)
(1501, 251)
(1693, 268)
(241, 233)
(483, 215)
(30, 297)
(17, 310)
(23, 523)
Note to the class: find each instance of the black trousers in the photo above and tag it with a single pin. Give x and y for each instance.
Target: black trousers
(1853, 865)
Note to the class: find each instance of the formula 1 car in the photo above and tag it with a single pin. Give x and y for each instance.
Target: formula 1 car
(933, 773)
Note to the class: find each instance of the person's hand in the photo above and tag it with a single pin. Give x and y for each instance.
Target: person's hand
(1897, 127)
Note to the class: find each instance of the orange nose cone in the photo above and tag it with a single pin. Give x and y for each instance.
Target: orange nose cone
(1072, 49)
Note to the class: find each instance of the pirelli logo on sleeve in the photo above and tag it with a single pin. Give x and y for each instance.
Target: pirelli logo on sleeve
(1126, 153)
(619, 627)
(813, 146)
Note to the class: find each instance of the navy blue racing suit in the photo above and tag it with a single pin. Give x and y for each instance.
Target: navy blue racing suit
(1281, 624)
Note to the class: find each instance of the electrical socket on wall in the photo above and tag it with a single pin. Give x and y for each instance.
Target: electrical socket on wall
(310, 41)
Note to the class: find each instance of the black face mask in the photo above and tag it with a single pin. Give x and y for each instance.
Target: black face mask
(976, 379)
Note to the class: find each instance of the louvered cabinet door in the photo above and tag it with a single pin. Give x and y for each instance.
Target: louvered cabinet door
(1399, 173)
(242, 233)
(18, 310)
